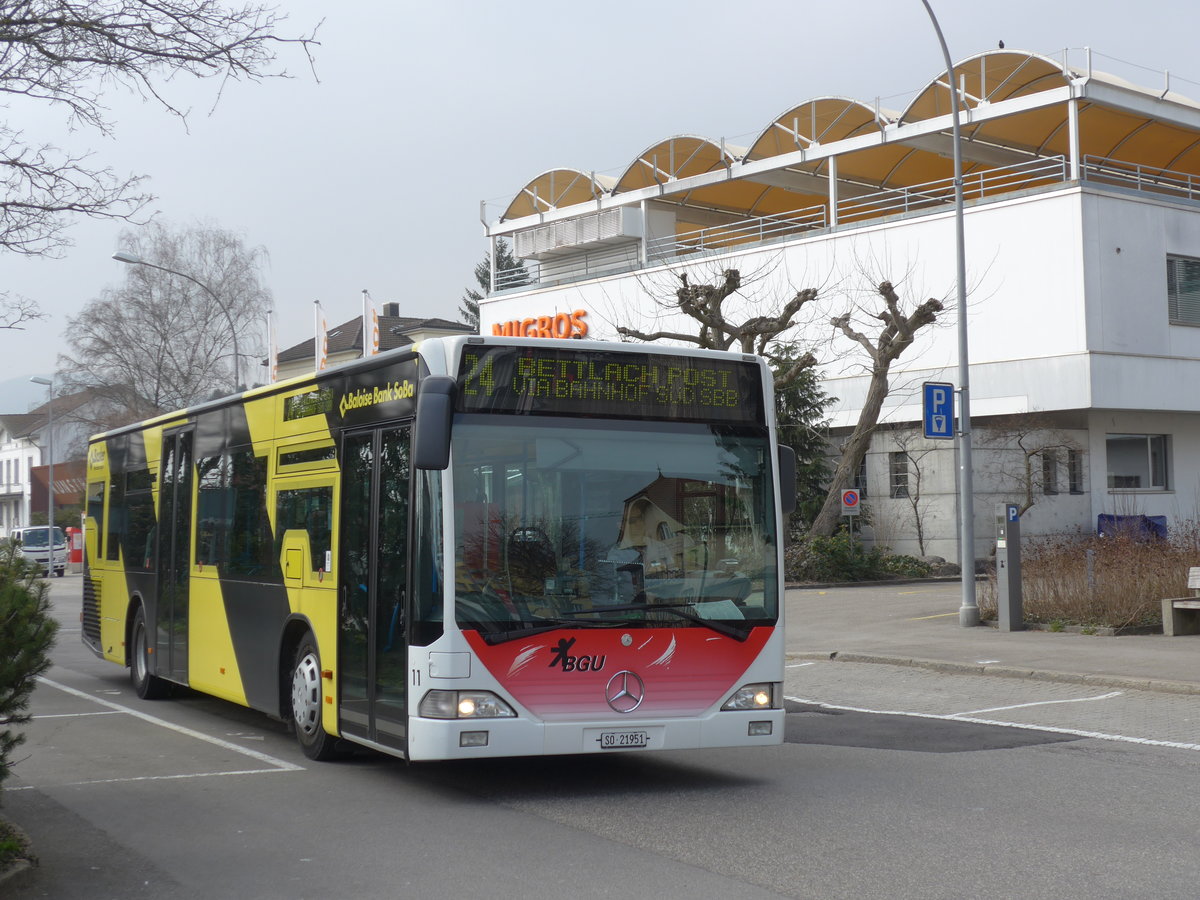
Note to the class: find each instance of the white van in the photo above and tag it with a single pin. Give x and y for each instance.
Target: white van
(33, 548)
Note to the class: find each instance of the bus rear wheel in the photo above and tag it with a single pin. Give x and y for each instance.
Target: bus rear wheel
(148, 686)
(307, 694)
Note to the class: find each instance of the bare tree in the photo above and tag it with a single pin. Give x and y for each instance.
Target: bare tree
(908, 443)
(896, 334)
(16, 310)
(1024, 454)
(161, 341)
(68, 54)
(705, 303)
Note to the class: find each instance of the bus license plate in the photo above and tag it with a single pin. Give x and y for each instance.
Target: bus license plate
(612, 740)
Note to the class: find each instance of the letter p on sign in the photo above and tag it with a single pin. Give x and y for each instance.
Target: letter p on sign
(937, 408)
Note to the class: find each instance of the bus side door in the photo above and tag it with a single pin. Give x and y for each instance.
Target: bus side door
(372, 584)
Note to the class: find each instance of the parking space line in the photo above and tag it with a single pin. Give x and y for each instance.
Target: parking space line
(963, 717)
(277, 764)
(107, 712)
(30, 787)
(975, 712)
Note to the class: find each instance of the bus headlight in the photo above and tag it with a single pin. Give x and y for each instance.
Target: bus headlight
(765, 695)
(464, 705)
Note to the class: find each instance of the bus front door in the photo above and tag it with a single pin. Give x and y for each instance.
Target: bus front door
(373, 548)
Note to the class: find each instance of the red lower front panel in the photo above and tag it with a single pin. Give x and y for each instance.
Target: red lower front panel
(650, 673)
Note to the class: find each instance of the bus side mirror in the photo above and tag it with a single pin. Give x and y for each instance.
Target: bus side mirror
(435, 409)
(787, 479)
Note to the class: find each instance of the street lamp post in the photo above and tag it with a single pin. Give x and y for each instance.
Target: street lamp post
(968, 613)
(49, 382)
(134, 260)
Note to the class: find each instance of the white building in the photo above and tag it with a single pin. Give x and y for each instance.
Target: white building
(24, 446)
(18, 455)
(1083, 258)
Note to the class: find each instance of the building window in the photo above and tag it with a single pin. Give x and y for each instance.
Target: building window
(1049, 471)
(1074, 471)
(1137, 462)
(898, 467)
(1183, 290)
(860, 477)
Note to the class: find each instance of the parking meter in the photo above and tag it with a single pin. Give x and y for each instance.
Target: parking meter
(1008, 567)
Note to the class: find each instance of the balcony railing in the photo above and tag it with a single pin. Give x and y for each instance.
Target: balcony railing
(746, 231)
(986, 184)
(1150, 179)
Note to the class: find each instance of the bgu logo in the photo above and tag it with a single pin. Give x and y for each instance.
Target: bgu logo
(561, 656)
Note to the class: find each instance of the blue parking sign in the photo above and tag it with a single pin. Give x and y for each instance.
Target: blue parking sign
(937, 406)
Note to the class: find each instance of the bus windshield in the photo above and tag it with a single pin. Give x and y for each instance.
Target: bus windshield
(607, 523)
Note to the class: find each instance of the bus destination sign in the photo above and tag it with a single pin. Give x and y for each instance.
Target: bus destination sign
(627, 385)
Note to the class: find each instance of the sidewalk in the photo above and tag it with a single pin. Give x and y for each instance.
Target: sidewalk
(918, 624)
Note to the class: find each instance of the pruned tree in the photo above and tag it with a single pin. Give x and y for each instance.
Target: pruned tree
(69, 54)
(515, 275)
(1021, 455)
(800, 403)
(719, 330)
(896, 332)
(161, 341)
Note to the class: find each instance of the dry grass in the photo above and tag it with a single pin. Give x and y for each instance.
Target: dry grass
(1127, 578)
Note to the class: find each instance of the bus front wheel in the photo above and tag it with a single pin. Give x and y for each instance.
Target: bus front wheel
(148, 686)
(307, 692)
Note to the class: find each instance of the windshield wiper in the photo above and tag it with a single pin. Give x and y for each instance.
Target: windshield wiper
(526, 629)
(679, 609)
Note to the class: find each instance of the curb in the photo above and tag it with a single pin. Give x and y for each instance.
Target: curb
(18, 874)
(936, 665)
(825, 585)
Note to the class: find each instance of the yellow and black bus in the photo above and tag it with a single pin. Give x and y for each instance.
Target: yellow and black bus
(477, 546)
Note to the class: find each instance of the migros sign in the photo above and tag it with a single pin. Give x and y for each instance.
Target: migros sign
(559, 325)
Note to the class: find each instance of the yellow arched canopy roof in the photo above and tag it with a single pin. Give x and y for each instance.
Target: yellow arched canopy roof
(822, 120)
(1111, 125)
(988, 78)
(555, 188)
(677, 157)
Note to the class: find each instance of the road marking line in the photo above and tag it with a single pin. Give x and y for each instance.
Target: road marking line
(938, 616)
(975, 712)
(280, 764)
(30, 787)
(1075, 732)
(800, 665)
(111, 712)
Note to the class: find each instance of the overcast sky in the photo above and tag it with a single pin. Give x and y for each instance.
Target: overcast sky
(370, 174)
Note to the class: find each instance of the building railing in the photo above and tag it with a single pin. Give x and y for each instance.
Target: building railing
(746, 231)
(1139, 177)
(916, 199)
(939, 193)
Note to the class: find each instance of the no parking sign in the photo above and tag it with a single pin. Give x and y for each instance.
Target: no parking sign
(850, 500)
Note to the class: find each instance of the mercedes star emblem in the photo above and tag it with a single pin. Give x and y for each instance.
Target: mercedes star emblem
(625, 691)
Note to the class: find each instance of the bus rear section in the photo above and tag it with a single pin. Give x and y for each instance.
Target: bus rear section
(615, 557)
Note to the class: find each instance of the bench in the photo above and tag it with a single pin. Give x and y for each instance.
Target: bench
(1182, 615)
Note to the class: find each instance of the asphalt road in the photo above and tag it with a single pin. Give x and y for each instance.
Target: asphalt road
(925, 796)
